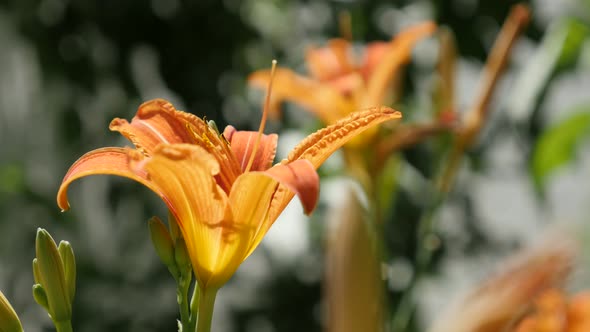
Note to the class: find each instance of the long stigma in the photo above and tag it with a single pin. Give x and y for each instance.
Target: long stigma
(264, 116)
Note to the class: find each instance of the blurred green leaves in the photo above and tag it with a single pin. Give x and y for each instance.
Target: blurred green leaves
(558, 50)
(557, 146)
(11, 178)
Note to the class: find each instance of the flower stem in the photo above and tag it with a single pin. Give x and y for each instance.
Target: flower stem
(182, 287)
(424, 252)
(63, 326)
(206, 303)
(194, 308)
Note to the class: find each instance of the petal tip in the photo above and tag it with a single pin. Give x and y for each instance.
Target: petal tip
(153, 106)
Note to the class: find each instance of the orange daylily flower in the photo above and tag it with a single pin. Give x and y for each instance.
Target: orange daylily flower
(339, 83)
(221, 188)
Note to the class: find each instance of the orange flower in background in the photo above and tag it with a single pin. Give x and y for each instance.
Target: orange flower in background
(502, 300)
(554, 312)
(221, 188)
(340, 83)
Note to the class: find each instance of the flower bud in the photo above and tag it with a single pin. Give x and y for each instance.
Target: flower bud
(181, 256)
(163, 244)
(69, 263)
(9, 321)
(36, 272)
(52, 277)
(174, 230)
(40, 296)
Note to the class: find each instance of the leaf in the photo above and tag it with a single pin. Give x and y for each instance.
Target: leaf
(557, 146)
(559, 48)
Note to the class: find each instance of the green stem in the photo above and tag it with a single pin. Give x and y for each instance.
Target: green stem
(194, 308)
(182, 287)
(63, 326)
(424, 252)
(206, 303)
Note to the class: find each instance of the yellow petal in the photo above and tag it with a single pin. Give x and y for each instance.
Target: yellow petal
(398, 54)
(318, 146)
(321, 99)
(113, 161)
(185, 174)
(250, 199)
(253, 194)
(242, 143)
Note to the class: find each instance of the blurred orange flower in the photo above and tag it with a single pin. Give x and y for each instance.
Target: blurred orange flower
(221, 188)
(339, 82)
(554, 312)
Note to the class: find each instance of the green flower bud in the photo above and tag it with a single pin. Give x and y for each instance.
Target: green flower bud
(9, 321)
(52, 277)
(173, 225)
(40, 296)
(181, 256)
(69, 262)
(163, 244)
(36, 272)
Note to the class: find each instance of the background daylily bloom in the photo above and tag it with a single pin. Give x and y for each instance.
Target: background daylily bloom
(339, 83)
(221, 188)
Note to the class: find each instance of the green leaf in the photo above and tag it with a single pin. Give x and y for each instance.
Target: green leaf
(559, 49)
(557, 146)
(574, 34)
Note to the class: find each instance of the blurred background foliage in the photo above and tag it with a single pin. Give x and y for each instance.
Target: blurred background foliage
(67, 67)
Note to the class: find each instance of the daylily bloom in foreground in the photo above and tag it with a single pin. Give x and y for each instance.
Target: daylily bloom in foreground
(339, 83)
(221, 188)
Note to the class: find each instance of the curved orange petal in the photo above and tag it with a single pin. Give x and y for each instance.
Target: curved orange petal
(242, 143)
(302, 179)
(156, 122)
(318, 146)
(185, 173)
(321, 99)
(329, 62)
(111, 160)
(398, 54)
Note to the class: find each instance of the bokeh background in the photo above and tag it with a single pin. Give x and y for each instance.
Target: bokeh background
(67, 67)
